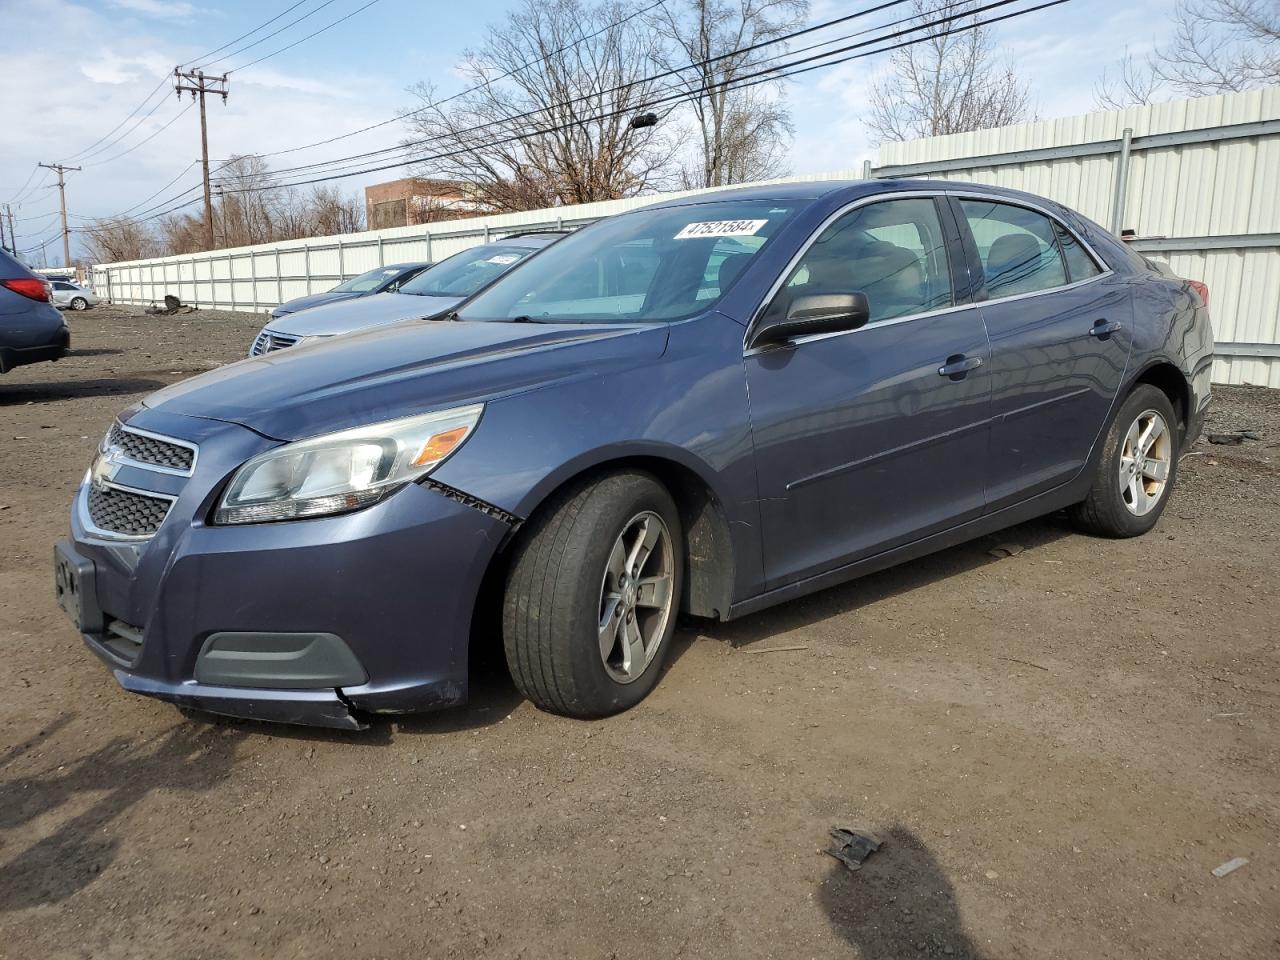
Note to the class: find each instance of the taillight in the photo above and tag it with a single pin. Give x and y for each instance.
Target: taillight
(28, 287)
(1200, 288)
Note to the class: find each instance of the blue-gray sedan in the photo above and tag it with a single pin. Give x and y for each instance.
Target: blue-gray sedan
(708, 406)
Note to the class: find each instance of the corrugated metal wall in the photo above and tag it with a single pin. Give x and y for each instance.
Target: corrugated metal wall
(1201, 191)
(1198, 180)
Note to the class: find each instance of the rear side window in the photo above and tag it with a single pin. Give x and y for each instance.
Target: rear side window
(893, 251)
(1080, 265)
(1018, 247)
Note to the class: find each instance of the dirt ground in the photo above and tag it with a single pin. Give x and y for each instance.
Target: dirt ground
(1057, 748)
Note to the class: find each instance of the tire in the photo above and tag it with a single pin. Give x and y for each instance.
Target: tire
(568, 571)
(1116, 509)
(79, 303)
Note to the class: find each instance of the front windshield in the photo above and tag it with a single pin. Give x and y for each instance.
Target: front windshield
(464, 273)
(652, 266)
(366, 281)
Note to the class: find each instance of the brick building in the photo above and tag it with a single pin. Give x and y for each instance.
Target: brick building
(402, 203)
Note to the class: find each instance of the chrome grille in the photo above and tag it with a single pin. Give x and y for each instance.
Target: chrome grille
(269, 340)
(124, 512)
(151, 450)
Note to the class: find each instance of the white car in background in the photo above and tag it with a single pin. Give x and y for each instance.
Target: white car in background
(66, 295)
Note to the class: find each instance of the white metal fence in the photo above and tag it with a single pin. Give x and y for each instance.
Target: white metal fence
(1197, 180)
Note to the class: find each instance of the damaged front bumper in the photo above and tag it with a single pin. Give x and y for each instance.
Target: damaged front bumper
(320, 621)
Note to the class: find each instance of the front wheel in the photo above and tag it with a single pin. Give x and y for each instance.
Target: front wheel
(592, 595)
(1137, 469)
(79, 303)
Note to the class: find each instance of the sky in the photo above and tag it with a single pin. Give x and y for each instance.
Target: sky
(72, 71)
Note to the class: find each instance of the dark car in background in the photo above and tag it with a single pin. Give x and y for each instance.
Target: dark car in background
(430, 294)
(31, 328)
(708, 406)
(379, 280)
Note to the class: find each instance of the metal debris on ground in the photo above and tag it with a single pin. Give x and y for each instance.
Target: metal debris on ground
(1229, 867)
(1232, 439)
(851, 848)
(1005, 550)
(171, 306)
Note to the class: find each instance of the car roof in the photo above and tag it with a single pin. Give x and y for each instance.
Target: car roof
(530, 239)
(818, 189)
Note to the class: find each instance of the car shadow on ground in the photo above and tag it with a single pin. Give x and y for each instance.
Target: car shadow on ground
(15, 394)
(900, 904)
(118, 775)
(869, 590)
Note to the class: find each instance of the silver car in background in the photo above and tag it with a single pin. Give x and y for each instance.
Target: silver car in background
(66, 295)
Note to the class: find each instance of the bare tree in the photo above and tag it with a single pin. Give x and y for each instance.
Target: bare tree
(949, 82)
(1133, 84)
(743, 132)
(332, 213)
(114, 239)
(1218, 46)
(557, 129)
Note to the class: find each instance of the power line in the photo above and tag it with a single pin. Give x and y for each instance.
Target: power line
(524, 66)
(804, 65)
(34, 170)
(250, 46)
(309, 36)
(205, 56)
(675, 71)
(88, 155)
(172, 120)
(340, 163)
(145, 101)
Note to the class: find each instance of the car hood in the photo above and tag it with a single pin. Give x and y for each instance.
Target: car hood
(314, 300)
(361, 313)
(396, 371)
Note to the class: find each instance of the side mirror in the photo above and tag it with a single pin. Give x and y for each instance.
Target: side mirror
(816, 313)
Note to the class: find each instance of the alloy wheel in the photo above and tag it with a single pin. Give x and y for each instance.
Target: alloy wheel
(636, 596)
(1145, 463)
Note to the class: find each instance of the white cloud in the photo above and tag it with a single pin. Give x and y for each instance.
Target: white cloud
(165, 9)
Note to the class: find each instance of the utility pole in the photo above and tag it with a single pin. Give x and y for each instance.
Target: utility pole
(12, 245)
(62, 199)
(197, 84)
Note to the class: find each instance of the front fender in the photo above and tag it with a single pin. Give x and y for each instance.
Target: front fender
(687, 407)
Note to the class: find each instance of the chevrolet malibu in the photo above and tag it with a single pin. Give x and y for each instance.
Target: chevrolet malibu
(706, 406)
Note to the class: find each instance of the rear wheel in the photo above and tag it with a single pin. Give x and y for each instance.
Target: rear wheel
(592, 595)
(79, 303)
(1136, 473)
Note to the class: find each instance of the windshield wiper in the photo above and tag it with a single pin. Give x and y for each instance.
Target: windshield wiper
(524, 318)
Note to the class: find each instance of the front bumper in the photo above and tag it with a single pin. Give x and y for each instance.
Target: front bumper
(394, 586)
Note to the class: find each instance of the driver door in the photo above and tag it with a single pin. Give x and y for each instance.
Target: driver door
(868, 439)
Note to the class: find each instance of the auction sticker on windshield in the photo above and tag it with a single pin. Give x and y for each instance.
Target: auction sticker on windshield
(502, 259)
(721, 228)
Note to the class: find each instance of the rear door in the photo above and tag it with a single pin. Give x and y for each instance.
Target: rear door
(1059, 323)
(871, 438)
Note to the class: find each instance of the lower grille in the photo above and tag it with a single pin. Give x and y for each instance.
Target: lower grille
(268, 341)
(126, 513)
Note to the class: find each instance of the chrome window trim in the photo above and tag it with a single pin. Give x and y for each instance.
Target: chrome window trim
(82, 510)
(156, 467)
(813, 237)
(1098, 260)
(906, 195)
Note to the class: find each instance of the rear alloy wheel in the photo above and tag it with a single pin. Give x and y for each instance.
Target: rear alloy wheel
(79, 303)
(592, 596)
(1136, 472)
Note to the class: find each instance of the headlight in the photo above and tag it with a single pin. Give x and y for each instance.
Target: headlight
(343, 471)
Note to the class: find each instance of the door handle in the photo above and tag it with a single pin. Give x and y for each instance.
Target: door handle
(1104, 329)
(958, 366)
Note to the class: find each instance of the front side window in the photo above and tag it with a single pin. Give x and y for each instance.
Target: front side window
(893, 251)
(651, 266)
(1018, 247)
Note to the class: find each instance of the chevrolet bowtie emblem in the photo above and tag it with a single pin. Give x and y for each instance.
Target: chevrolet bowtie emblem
(105, 467)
